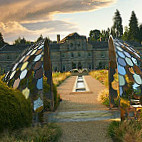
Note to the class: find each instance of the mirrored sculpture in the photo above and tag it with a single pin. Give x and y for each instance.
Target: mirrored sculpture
(124, 61)
(28, 72)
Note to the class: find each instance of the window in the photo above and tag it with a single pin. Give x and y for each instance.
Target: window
(102, 55)
(8, 57)
(72, 55)
(63, 55)
(64, 68)
(71, 44)
(90, 66)
(55, 69)
(78, 44)
(89, 54)
(79, 54)
(73, 65)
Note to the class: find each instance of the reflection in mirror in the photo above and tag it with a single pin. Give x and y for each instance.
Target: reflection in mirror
(137, 91)
(129, 61)
(131, 70)
(37, 58)
(119, 48)
(120, 54)
(23, 74)
(127, 54)
(137, 79)
(134, 61)
(121, 61)
(121, 80)
(40, 84)
(121, 70)
(24, 66)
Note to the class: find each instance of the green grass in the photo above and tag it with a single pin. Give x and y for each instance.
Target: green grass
(126, 131)
(14, 119)
(46, 133)
(102, 76)
(58, 77)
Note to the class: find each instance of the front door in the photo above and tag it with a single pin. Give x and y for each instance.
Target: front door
(79, 65)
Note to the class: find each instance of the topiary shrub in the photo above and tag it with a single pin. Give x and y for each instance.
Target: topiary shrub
(15, 110)
(46, 88)
(56, 97)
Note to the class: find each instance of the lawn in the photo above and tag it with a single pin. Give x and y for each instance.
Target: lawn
(102, 76)
(58, 77)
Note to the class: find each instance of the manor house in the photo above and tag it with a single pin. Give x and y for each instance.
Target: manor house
(73, 51)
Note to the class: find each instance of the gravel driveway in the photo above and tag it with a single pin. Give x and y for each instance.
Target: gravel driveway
(81, 117)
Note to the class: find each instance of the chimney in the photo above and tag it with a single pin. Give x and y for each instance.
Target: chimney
(58, 38)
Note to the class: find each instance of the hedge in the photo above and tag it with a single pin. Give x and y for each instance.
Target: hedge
(15, 110)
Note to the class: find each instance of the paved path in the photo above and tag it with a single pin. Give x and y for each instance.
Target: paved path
(81, 117)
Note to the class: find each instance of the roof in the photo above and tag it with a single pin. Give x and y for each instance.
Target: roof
(72, 36)
(13, 48)
(99, 44)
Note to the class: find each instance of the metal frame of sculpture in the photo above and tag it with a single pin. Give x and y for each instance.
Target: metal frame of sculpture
(124, 61)
(28, 72)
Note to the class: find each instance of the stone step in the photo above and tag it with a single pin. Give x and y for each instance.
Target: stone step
(79, 116)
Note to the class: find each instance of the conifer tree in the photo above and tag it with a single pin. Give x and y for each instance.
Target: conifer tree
(1, 40)
(40, 38)
(126, 34)
(133, 27)
(140, 33)
(117, 29)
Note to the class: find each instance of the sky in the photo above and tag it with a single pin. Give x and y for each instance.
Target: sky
(31, 18)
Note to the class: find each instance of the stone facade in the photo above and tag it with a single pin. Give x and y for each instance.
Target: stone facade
(8, 55)
(74, 51)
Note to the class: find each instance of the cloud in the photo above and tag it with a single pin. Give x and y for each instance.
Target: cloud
(12, 30)
(56, 25)
(30, 18)
(25, 10)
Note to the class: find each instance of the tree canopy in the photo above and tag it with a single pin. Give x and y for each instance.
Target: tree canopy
(117, 28)
(133, 27)
(1, 40)
(94, 34)
(39, 38)
(140, 33)
(132, 32)
(21, 41)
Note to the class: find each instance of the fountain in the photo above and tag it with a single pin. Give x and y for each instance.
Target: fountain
(80, 86)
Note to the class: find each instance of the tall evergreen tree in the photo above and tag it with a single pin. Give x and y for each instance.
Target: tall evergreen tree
(117, 28)
(133, 27)
(126, 34)
(40, 38)
(1, 40)
(105, 34)
(112, 32)
(140, 33)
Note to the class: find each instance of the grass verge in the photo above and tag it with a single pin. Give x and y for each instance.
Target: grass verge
(58, 77)
(46, 133)
(102, 76)
(126, 131)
